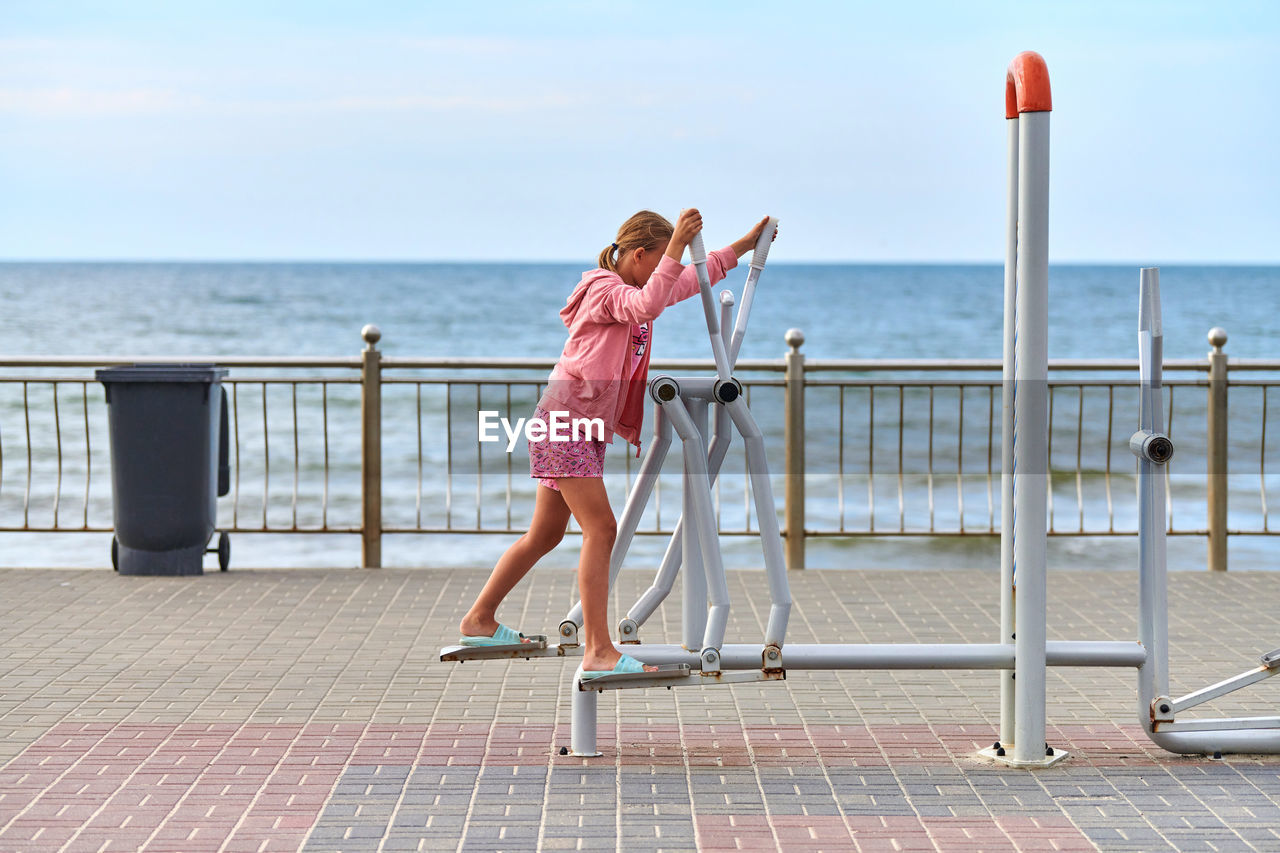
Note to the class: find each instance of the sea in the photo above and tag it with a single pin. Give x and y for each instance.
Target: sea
(889, 311)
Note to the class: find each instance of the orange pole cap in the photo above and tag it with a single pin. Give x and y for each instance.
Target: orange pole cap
(1027, 86)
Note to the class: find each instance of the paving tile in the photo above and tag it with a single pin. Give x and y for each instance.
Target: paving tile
(290, 710)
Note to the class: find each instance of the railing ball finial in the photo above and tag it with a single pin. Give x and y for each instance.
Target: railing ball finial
(794, 339)
(1217, 338)
(371, 334)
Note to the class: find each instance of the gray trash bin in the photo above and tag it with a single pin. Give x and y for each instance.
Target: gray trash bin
(169, 464)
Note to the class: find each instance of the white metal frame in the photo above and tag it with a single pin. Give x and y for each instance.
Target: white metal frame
(1023, 652)
(1156, 709)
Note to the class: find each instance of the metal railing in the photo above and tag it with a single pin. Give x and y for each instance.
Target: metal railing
(374, 446)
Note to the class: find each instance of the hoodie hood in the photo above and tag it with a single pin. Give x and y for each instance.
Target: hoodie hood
(574, 303)
(575, 300)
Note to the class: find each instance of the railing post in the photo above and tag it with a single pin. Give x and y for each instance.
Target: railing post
(793, 405)
(1217, 455)
(371, 448)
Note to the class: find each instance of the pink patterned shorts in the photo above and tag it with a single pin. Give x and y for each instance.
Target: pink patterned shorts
(550, 460)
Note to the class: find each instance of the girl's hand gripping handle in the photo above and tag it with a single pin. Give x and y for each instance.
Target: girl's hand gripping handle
(765, 240)
(688, 227)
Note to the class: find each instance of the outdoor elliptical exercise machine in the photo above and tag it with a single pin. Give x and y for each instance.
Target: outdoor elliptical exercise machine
(1023, 653)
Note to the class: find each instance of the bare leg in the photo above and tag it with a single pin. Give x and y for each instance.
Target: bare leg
(550, 518)
(589, 503)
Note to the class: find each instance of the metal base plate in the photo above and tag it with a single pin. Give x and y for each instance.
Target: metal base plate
(1008, 759)
(675, 675)
(538, 648)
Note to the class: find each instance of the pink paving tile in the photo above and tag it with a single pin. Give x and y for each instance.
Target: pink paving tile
(120, 785)
(734, 832)
(51, 838)
(812, 832)
(777, 733)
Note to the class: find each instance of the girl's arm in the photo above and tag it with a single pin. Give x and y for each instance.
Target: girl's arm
(718, 263)
(621, 303)
(670, 283)
(748, 242)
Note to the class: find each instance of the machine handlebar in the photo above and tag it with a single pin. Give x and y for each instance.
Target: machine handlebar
(697, 249)
(761, 253)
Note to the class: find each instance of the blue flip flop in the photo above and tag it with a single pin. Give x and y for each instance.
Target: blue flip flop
(626, 663)
(504, 636)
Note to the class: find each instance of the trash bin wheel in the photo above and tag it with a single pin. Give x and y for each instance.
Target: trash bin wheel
(115, 553)
(224, 551)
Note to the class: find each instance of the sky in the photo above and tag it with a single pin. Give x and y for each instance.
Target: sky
(503, 130)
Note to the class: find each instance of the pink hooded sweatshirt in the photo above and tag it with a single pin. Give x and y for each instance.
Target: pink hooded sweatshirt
(589, 380)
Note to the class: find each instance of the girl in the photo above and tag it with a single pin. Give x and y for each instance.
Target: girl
(602, 373)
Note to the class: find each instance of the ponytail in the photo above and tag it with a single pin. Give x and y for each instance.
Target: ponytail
(608, 258)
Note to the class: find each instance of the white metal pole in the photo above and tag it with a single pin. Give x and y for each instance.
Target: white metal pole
(699, 519)
(1031, 430)
(903, 656)
(641, 489)
(670, 566)
(663, 582)
(758, 258)
(698, 253)
(1153, 598)
(582, 729)
(1260, 735)
(726, 320)
(1006, 430)
(695, 579)
(767, 518)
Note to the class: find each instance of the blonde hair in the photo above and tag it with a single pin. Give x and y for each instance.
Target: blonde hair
(645, 230)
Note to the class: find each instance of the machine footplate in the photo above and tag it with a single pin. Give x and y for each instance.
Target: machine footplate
(675, 675)
(538, 648)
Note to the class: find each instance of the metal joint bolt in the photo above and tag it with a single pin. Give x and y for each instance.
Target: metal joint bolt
(710, 661)
(664, 389)
(1152, 446)
(568, 633)
(727, 390)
